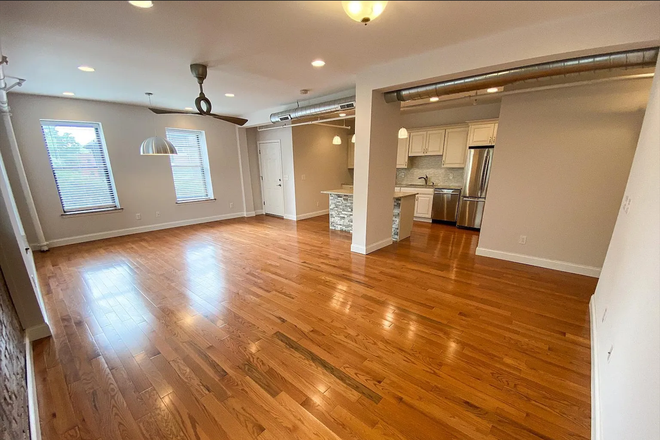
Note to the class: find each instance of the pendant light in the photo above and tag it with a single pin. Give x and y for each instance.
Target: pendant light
(156, 145)
(336, 140)
(403, 133)
(363, 12)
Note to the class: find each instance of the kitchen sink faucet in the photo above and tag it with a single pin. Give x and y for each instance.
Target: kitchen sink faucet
(426, 179)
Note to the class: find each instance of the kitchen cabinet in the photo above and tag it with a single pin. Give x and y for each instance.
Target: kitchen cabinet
(482, 133)
(427, 143)
(402, 153)
(351, 155)
(455, 147)
(423, 201)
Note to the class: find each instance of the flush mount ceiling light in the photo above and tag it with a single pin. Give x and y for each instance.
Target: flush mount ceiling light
(156, 145)
(434, 99)
(143, 5)
(353, 138)
(318, 63)
(336, 140)
(493, 90)
(68, 93)
(188, 108)
(229, 95)
(403, 133)
(363, 12)
(86, 68)
(342, 115)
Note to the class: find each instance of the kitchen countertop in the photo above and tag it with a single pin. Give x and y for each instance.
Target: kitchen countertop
(349, 192)
(413, 185)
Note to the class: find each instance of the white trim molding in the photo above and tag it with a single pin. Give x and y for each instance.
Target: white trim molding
(138, 230)
(37, 332)
(596, 433)
(259, 212)
(563, 266)
(372, 247)
(312, 214)
(33, 407)
(423, 219)
(249, 214)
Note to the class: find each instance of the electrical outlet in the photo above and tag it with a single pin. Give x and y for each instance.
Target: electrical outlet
(609, 353)
(317, 203)
(303, 177)
(522, 239)
(626, 204)
(604, 314)
(157, 214)
(231, 204)
(138, 216)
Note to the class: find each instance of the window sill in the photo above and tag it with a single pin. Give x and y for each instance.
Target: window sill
(185, 202)
(91, 212)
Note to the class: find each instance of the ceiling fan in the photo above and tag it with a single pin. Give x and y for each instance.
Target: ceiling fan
(202, 103)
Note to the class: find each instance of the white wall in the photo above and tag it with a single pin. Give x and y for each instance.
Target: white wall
(144, 183)
(284, 135)
(253, 156)
(627, 387)
(324, 166)
(560, 165)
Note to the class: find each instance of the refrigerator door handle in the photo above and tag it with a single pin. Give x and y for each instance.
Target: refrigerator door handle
(474, 199)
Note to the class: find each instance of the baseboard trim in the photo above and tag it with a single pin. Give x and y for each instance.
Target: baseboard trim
(33, 407)
(259, 212)
(423, 219)
(249, 214)
(312, 214)
(37, 332)
(563, 266)
(138, 230)
(358, 249)
(289, 217)
(595, 395)
(372, 247)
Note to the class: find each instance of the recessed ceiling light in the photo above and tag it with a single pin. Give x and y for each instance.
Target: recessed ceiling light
(434, 99)
(342, 114)
(188, 108)
(143, 5)
(229, 95)
(318, 63)
(493, 90)
(86, 68)
(68, 93)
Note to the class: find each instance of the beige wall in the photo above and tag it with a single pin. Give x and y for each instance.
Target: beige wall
(319, 165)
(456, 115)
(144, 184)
(253, 157)
(627, 384)
(284, 135)
(559, 170)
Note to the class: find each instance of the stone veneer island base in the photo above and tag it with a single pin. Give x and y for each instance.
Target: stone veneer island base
(341, 212)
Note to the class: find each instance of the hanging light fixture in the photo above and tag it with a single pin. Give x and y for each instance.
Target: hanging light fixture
(353, 138)
(156, 145)
(403, 133)
(336, 140)
(363, 12)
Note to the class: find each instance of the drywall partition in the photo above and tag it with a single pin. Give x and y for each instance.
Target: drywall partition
(319, 165)
(560, 166)
(255, 178)
(454, 115)
(625, 316)
(246, 181)
(284, 135)
(144, 183)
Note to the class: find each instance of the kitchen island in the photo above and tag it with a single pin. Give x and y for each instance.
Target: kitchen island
(341, 212)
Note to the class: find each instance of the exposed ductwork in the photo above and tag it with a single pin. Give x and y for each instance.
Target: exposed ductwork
(347, 103)
(618, 60)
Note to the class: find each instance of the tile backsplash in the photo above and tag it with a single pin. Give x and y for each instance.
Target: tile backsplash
(418, 166)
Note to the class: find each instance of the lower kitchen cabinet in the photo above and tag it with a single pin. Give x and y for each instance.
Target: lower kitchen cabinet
(424, 205)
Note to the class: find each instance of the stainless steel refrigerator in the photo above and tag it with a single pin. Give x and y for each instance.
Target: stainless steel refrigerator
(475, 187)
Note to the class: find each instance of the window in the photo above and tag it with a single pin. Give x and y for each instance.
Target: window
(190, 167)
(80, 165)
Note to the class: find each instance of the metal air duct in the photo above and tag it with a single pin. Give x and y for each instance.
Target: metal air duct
(347, 103)
(619, 60)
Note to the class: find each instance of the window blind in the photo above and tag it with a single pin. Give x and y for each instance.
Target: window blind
(79, 160)
(190, 169)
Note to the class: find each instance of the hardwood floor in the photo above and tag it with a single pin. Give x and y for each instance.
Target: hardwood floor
(269, 329)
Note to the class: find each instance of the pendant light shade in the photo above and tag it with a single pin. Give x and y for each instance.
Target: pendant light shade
(155, 146)
(353, 138)
(336, 140)
(403, 133)
(363, 12)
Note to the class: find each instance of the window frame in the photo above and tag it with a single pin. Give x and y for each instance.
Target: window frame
(205, 164)
(106, 160)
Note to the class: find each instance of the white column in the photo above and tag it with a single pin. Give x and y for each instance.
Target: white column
(244, 168)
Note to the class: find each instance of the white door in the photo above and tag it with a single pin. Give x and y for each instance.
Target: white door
(270, 160)
(482, 134)
(402, 153)
(417, 143)
(424, 205)
(435, 142)
(455, 147)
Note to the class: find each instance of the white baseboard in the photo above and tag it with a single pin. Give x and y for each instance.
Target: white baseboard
(249, 214)
(595, 395)
(423, 219)
(372, 247)
(258, 212)
(37, 332)
(312, 214)
(138, 230)
(289, 217)
(563, 266)
(33, 407)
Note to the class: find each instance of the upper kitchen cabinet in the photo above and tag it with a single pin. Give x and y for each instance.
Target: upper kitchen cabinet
(402, 153)
(482, 133)
(351, 154)
(455, 147)
(427, 143)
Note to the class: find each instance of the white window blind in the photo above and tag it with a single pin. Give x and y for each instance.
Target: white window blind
(190, 166)
(79, 160)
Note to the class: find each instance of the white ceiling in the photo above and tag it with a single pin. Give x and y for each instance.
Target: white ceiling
(260, 51)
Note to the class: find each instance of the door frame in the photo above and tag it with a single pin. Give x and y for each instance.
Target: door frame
(261, 178)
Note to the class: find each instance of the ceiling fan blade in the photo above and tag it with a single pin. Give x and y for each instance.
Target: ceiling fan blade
(164, 111)
(232, 119)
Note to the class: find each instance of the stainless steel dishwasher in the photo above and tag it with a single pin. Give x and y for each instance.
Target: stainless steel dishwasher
(445, 205)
